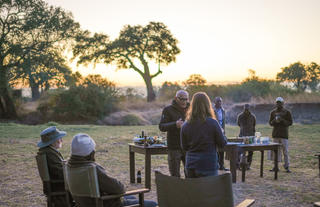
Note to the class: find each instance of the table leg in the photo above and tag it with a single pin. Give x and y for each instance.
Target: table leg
(148, 170)
(261, 163)
(276, 164)
(132, 167)
(233, 163)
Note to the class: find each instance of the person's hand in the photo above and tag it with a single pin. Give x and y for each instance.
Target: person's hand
(179, 123)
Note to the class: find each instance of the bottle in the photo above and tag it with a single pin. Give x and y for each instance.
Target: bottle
(139, 176)
(142, 134)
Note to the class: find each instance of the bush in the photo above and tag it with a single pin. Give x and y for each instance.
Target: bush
(89, 101)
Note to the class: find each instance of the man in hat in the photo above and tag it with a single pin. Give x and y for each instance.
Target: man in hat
(280, 119)
(172, 119)
(247, 123)
(82, 154)
(220, 114)
(50, 143)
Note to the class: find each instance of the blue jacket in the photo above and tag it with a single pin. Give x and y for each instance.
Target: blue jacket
(200, 140)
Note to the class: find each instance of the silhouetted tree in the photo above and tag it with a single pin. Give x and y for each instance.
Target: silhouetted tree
(135, 47)
(25, 26)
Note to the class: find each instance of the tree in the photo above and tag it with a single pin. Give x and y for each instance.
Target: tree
(42, 70)
(135, 47)
(27, 26)
(313, 75)
(294, 73)
(195, 83)
(302, 76)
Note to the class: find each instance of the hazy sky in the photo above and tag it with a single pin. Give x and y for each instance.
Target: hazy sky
(219, 39)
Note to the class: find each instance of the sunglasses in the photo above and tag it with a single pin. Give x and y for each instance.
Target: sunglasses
(182, 99)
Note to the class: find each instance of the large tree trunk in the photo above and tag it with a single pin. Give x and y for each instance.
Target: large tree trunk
(35, 92)
(8, 107)
(151, 96)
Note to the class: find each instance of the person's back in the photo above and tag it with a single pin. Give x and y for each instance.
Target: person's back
(107, 185)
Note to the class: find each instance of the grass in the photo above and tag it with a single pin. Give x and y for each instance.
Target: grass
(20, 183)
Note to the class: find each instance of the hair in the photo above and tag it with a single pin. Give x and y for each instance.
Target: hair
(200, 108)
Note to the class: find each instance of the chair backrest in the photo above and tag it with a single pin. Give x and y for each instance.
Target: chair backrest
(190, 192)
(81, 181)
(43, 167)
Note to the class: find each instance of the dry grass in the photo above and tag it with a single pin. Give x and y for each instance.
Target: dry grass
(20, 183)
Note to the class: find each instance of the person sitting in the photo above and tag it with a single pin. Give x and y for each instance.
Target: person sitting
(82, 154)
(50, 143)
(200, 136)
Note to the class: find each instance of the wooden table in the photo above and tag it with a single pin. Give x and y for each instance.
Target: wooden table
(231, 148)
(147, 151)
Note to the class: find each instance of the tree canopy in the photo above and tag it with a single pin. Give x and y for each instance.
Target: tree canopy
(26, 28)
(134, 49)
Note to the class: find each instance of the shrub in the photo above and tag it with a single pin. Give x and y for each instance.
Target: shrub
(95, 98)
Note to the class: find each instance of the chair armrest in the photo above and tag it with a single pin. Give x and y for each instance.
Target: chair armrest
(56, 181)
(316, 204)
(246, 203)
(131, 192)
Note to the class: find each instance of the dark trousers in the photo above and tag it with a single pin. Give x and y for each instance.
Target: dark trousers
(175, 157)
(221, 159)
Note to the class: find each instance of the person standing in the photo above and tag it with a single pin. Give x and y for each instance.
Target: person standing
(247, 123)
(50, 143)
(200, 136)
(172, 118)
(280, 119)
(221, 118)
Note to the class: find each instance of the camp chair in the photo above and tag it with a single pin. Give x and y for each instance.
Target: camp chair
(45, 177)
(212, 191)
(316, 204)
(318, 155)
(83, 182)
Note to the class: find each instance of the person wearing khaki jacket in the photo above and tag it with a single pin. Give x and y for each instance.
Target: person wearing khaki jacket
(50, 143)
(280, 119)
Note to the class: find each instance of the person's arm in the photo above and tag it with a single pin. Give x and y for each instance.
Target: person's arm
(54, 165)
(272, 120)
(108, 185)
(254, 123)
(183, 138)
(220, 139)
(287, 120)
(166, 123)
(238, 120)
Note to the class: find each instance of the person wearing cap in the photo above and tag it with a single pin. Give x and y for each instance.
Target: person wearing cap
(50, 143)
(172, 119)
(280, 119)
(82, 154)
(247, 123)
(220, 114)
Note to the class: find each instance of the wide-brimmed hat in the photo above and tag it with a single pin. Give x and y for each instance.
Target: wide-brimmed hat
(82, 145)
(49, 136)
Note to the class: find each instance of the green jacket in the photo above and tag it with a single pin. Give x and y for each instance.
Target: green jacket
(281, 128)
(54, 160)
(247, 124)
(107, 185)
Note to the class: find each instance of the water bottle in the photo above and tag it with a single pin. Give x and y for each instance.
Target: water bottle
(139, 176)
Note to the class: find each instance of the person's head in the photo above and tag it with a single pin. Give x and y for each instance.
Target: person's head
(200, 108)
(218, 102)
(279, 102)
(51, 136)
(182, 98)
(246, 107)
(83, 145)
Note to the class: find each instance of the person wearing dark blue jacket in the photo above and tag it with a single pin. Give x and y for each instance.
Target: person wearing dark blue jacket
(200, 136)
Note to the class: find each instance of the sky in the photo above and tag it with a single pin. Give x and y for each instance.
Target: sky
(219, 39)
